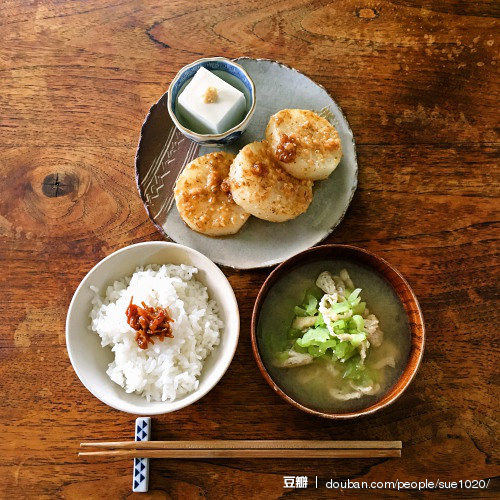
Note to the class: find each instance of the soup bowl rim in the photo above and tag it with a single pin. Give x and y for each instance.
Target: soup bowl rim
(410, 305)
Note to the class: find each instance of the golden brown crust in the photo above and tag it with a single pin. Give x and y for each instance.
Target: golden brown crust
(305, 144)
(264, 189)
(203, 198)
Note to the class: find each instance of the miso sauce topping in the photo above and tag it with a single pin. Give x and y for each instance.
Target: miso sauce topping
(148, 323)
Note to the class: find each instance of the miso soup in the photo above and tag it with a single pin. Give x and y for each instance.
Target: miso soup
(344, 358)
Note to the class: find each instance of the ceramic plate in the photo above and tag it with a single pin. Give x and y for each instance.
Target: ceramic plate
(163, 151)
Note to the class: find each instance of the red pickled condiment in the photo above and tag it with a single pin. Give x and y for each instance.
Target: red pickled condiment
(148, 322)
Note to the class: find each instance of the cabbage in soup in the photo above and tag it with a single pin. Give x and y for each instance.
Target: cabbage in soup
(334, 335)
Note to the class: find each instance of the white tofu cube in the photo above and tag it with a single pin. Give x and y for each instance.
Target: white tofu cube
(210, 111)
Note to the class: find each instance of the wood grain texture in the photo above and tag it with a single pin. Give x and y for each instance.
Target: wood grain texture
(241, 453)
(418, 81)
(273, 444)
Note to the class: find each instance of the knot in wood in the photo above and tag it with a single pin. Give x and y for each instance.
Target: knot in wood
(367, 13)
(55, 185)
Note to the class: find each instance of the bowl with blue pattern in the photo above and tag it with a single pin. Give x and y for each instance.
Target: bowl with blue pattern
(229, 71)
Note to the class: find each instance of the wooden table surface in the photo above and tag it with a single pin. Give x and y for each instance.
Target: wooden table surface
(418, 82)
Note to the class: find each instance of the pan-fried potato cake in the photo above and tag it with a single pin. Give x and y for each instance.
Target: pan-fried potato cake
(306, 145)
(262, 188)
(203, 196)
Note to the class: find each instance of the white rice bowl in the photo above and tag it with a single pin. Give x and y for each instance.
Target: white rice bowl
(168, 369)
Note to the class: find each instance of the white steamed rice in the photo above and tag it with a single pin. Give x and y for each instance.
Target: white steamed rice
(170, 368)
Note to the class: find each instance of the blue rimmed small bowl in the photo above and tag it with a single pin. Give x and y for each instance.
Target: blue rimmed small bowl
(232, 73)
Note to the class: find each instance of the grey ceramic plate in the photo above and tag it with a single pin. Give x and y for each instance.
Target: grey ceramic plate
(163, 151)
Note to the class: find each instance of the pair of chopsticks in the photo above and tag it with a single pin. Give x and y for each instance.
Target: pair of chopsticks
(244, 449)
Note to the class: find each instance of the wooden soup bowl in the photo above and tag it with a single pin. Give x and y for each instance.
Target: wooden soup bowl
(397, 282)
